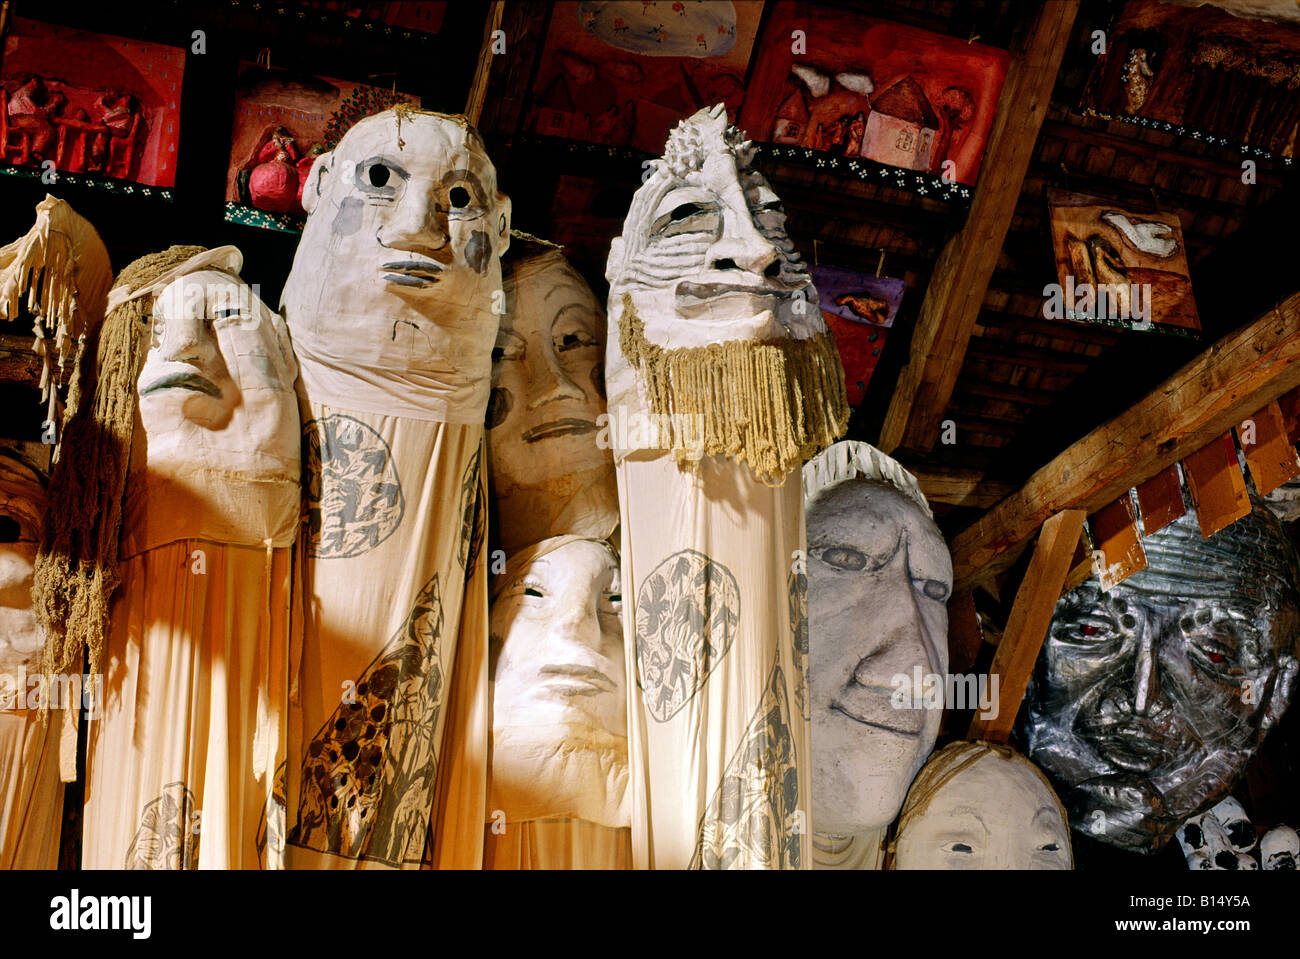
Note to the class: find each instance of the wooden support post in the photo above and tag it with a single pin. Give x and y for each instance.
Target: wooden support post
(1211, 394)
(478, 88)
(1031, 614)
(962, 273)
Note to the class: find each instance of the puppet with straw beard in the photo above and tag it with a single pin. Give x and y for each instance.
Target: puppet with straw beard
(722, 380)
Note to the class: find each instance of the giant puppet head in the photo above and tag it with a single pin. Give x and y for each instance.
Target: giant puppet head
(879, 575)
(395, 290)
(977, 805)
(559, 699)
(715, 332)
(549, 474)
(191, 432)
(1150, 699)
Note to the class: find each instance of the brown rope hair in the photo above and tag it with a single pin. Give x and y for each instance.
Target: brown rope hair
(76, 565)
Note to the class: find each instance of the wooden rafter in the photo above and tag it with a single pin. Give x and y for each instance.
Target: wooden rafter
(1211, 394)
(1031, 614)
(962, 273)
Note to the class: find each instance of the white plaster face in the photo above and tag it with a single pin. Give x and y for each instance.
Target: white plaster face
(1222, 838)
(560, 658)
(1279, 849)
(217, 385)
(879, 575)
(20, 510)
(704, 251)
(994, 814)
(547, 377)
(400, 255)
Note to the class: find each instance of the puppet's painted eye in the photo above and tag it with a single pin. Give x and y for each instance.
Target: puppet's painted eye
(378, 175)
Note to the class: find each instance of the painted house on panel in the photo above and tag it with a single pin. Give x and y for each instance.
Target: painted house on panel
(902, 126)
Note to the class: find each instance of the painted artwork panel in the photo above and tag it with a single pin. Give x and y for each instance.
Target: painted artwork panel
(1139, 258)
(624, 73)
(283, 121)
(1200, 69)
(94, 104)
(863, 87)
(859, 308)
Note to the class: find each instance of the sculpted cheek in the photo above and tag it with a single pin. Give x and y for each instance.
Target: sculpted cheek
(478, 251)
(348, 220)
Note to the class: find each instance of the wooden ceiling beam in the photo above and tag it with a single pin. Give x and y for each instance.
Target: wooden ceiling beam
(1209, 395)
(964, 268)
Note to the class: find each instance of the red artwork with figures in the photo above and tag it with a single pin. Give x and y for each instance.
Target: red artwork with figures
(283, 121)
(623, 73)
(868, 88)
(90, 103)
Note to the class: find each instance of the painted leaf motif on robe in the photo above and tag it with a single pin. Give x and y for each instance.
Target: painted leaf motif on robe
(167, 837)
(369, 773)
(354, 496)
(749, 822)
(686, 615)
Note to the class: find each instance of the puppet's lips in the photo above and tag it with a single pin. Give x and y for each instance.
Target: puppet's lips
(875, 708)
(1134, 746)
(183, 381)
(562, 427)
(687, 290)
(411, 272)
(577, 680)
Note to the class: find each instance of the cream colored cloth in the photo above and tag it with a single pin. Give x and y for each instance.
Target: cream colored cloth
(717, 743)
(182, 770)
(394, 520)
(31, 794)
(557, 844)
(59, 271)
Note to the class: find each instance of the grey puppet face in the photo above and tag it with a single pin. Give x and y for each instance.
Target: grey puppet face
(1149, 700)
(879, 575)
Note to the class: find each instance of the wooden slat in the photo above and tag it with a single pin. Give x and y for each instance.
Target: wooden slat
(1031, 614)
(1161, 500)
(964, 635)
(1209, 395)
(962, 273)
(1218, 489)
(478, 87)
(1289, 404)
(1271, 457)
(1115, 532)
(959, 487)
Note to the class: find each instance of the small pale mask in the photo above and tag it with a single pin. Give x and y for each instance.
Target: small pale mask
(559, 709)
(976, 806)
(560, 654)
(879, 575)
(1220, 839)
(1279, 849)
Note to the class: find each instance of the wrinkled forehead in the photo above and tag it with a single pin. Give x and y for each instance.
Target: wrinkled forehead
(419, 143)
(205, 294)
(870, 510)
(538, 297)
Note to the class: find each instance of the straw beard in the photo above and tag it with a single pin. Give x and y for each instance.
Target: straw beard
(769, 404)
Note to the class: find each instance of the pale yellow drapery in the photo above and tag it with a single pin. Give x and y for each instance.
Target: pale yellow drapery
(718, 742)
(182, 768)
(31, 794)
(394, 521)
